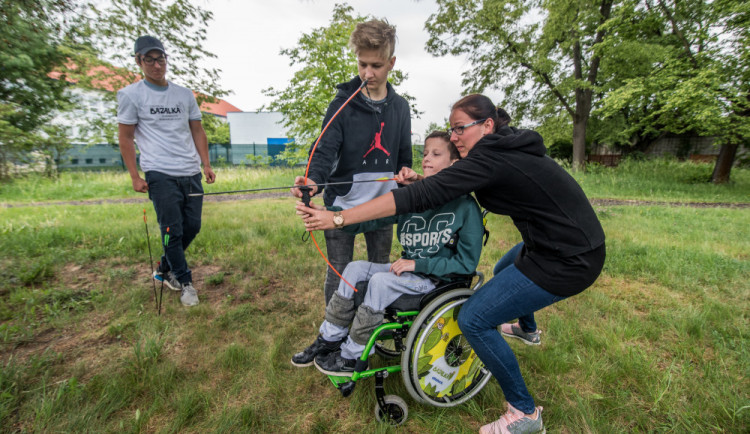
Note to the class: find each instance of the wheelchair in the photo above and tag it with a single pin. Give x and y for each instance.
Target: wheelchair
(437, 364)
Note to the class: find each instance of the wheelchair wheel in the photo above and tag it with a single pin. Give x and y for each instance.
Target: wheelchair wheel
(395, 413)
(440, 367)
(386, 346)
(387, 349)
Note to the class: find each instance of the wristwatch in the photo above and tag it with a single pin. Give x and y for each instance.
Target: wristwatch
(338, 220)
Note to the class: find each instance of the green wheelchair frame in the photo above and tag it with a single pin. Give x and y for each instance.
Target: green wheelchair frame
(438, 365)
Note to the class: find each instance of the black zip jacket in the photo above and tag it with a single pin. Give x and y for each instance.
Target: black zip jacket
(366, 141)
(511, 175)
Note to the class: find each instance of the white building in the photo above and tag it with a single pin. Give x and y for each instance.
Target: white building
(255, 136)
(92, 106)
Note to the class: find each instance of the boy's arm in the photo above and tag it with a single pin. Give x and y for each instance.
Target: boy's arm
(468, 249)
(201, 145)
(404, 153)
(126, 138)
(127, 119)
(329, 147)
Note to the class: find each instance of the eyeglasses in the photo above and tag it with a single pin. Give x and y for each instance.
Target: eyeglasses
(148, 60)
(460, 129)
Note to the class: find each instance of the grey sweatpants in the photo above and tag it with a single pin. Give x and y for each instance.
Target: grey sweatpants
(384, 288)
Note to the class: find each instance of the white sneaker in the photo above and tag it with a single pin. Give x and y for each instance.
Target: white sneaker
(515, 422)
(515, 331)
(189, 295)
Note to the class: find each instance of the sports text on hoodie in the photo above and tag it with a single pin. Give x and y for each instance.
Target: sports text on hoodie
(426, 237)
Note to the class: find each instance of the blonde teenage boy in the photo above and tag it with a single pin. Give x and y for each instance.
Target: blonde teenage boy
(369, 139)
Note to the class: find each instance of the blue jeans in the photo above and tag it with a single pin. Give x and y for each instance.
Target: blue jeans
(178, 212)
(508, 295)
(340, 249)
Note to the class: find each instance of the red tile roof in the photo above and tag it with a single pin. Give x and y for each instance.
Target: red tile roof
(110, 79)
(220, 108)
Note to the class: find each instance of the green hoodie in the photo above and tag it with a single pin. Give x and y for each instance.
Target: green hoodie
(425, 237)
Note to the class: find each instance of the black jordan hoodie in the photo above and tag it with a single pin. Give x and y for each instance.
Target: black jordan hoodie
(366, 141)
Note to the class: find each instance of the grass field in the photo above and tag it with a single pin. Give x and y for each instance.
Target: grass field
(658, 344)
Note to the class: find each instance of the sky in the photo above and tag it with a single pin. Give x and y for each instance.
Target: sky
(247, 36)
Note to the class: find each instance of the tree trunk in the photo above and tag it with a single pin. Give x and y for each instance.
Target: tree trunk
(580, 119)
(724, 163)
(579, 143)
(584, 95)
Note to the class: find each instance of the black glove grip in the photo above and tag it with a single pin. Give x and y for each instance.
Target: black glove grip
(305, 194)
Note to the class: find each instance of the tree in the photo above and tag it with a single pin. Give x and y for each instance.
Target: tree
(108, 31)
(217, 130)
(543, 54)
(179, 24)
(696, 77)
(31, 49)
(323, 60)
(50, 44)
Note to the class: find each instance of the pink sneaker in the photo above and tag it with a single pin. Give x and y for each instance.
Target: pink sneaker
(515, 422)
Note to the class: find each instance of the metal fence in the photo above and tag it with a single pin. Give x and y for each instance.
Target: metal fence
(102, 156)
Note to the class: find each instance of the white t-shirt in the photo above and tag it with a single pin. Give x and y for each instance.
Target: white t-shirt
(162, 131)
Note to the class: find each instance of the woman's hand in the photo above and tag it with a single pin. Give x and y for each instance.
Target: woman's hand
(316, 217)
(402, 265)
(312, 206)
(407, 176)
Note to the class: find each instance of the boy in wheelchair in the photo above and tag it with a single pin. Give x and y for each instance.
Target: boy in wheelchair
(437, 244)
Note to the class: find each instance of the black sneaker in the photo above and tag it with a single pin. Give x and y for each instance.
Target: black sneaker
(319, 347)
(334, 364)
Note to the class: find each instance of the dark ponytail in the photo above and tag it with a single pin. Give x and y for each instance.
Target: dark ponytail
(478, 106)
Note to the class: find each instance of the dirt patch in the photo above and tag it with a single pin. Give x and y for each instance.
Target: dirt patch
(88, 341)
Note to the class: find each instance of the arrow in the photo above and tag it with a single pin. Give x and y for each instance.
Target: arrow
(291, 186)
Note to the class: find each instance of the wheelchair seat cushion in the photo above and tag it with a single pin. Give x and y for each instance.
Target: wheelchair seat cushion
(419, 301)
(409, 302)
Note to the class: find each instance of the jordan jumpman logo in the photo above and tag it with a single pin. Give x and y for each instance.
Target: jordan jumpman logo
(376, 142)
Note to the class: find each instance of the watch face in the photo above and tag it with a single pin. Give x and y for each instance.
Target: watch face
(338, 219)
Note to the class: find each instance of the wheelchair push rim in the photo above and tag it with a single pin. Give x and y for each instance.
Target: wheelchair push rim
(442, 369)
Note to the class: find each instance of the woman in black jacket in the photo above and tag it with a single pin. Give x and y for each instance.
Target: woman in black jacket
(562, 252)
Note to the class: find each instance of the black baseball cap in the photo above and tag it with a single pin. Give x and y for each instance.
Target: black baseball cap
(144, 44)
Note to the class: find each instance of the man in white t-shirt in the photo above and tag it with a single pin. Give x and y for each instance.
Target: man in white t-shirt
(165, 121)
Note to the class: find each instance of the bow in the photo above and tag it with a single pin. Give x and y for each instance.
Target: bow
(151, 263)
(306, 189)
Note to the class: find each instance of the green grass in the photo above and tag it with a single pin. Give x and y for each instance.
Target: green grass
(115, 184)
(658, 344)
(663, 180)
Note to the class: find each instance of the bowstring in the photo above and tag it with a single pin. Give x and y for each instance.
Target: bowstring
(307, 171)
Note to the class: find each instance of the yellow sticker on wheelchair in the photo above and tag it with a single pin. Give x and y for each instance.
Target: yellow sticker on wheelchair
(446, 363)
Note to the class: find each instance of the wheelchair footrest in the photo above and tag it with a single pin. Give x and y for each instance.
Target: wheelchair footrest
(347, 388)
